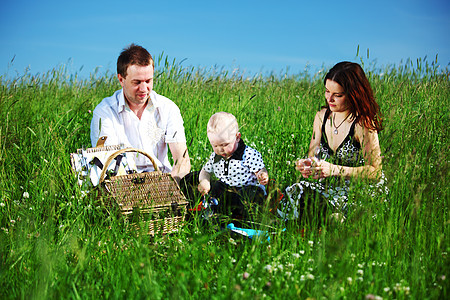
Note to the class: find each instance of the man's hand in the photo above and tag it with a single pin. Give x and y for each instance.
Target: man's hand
(182, 163)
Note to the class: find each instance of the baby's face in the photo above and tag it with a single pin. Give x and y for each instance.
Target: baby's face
(224, 145)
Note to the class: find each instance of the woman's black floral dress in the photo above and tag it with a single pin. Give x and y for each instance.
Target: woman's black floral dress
(331, 192)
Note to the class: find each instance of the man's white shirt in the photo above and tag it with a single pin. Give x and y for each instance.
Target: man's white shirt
(160, 124)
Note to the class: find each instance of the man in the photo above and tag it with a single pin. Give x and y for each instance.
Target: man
(136, 116)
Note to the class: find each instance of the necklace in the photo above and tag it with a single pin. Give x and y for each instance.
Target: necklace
(336, 127)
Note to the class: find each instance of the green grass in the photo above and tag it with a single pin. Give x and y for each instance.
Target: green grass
(54, 243)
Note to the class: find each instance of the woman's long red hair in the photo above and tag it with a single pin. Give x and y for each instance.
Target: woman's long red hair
(361, 101)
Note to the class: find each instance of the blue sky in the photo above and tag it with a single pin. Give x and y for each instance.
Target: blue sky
(254, 36)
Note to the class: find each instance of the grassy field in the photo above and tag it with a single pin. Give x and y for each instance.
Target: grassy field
(54, 243)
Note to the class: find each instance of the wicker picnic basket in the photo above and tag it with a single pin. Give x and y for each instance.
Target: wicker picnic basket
(150, 199)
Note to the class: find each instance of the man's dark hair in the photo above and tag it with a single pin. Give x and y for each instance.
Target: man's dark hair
(133, 55)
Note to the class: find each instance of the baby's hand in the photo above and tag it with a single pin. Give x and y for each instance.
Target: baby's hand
(204, 187)
(263, 177)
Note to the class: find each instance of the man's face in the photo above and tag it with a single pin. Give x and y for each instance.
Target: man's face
(138, 84)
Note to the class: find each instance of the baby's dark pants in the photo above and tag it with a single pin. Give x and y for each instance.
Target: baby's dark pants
(237, 202)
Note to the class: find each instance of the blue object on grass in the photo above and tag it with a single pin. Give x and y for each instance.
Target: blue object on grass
(249, 232)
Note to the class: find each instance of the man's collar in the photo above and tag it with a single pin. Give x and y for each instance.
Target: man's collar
(122, 105)
(238, 154)
(153, 100)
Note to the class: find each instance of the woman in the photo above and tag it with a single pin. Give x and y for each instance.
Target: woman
(344, 145)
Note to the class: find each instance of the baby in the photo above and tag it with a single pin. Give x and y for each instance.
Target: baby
(239, 168)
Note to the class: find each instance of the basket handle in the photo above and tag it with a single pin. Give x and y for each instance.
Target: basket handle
(117, 153)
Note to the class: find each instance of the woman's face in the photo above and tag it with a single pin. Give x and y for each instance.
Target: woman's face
(336, 97)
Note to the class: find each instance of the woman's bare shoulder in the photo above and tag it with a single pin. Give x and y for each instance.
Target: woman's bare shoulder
(363, 133)
(321, 114)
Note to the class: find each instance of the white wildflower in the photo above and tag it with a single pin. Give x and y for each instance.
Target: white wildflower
(349, 279)
(302, 278)
(310, 276)
(26, 195)
(268, 268)
(2, 204)
(302, 252)
(360, 272)
(311, 243)
(296, 255)
(373, 297)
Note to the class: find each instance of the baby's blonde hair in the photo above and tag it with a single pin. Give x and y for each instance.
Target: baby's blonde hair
(223, 124)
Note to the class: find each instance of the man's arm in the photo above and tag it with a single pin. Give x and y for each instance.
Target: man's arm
(182, 163)
(103, 126)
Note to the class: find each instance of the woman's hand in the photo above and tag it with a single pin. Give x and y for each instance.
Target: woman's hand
(323, 169)
(304, 166)
(311, 166)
